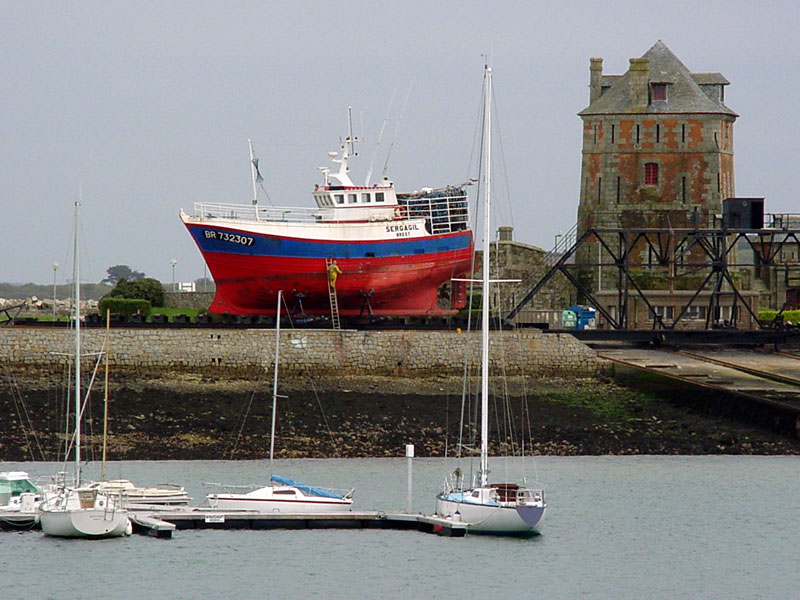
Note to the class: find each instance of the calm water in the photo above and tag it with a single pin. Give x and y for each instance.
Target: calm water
(617, 527)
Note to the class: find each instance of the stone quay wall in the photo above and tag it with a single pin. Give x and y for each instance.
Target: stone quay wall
(246, 352)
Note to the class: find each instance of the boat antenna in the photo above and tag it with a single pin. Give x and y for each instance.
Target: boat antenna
(350, 138)
(380, 138)
(396, 130)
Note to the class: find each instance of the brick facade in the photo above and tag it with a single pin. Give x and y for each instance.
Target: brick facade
(657, 150)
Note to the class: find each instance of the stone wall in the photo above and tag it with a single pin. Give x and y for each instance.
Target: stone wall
(196, 300)
(245, 352)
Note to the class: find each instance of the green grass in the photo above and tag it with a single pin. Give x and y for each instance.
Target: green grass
(618, 404)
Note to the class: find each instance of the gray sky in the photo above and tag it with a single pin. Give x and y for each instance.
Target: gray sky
(147, 107)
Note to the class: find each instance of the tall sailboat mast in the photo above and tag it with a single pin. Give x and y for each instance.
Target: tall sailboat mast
(275, 379)
(76, 276)
(487, 194)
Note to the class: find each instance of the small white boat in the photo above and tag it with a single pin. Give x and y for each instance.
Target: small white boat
(84, 513)
(19, 500)
(165, 493)
(287, 496)
(494, 508)
(497, 508)
(73, 511)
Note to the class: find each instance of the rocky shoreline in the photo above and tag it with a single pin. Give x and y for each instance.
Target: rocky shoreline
(180, 416)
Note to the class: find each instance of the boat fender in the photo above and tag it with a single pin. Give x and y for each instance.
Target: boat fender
(128, 527)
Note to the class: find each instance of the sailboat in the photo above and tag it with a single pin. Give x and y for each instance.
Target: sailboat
(491, 508)
(75, 511)
(163, 494)
(283, 494)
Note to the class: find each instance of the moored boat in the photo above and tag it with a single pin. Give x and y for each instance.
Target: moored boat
(282, 494)
(491, 508)
(19, 500)
(75, 511)
(397, 253)
(165, 493)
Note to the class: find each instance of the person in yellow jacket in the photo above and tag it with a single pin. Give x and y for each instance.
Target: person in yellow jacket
(333, 272)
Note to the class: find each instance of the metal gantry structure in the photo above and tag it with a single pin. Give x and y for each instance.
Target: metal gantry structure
(700, 258)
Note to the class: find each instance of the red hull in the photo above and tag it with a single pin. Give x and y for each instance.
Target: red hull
(407, 285)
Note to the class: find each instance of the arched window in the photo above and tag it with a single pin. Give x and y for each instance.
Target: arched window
(651, 174)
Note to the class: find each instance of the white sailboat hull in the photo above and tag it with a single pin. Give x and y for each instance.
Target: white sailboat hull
(498, 519)
(283, 499)
(85, 523)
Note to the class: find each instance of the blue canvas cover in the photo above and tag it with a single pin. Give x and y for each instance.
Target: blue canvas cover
(306, 489)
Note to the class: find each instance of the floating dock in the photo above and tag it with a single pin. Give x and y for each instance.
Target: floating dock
(162, 522)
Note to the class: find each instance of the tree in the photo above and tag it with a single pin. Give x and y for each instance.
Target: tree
(119, 272)
(140, 289)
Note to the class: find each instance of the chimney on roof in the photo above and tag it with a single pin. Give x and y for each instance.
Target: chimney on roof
(595, 78)
(638, 78)
(506, 233)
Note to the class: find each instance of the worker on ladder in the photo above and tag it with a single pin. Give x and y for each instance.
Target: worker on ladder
(333, 272)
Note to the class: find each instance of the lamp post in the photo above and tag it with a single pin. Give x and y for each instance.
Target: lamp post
(173, 262)
(55, 268)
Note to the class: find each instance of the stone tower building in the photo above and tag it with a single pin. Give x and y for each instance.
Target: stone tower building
(657, 149)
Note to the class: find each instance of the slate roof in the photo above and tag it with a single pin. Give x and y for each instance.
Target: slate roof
(684, 93)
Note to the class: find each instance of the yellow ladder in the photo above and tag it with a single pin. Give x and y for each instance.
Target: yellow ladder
(332, 296)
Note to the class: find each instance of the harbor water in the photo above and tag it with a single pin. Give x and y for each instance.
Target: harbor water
(617, 527)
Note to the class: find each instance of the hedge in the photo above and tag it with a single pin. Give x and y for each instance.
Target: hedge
(124, 306)
(788, 315)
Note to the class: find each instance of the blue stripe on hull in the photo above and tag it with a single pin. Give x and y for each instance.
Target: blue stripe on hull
(217, 239)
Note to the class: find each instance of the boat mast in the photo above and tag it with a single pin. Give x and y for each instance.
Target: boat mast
(487, 193)
(254, 173)
(275, 379)
(105, 399)
(77, 296)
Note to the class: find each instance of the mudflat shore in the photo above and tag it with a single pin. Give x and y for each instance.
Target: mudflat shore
(181, 416)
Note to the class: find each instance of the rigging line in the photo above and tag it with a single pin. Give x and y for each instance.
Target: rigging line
(499, 137)
(312, 382)
(244, 413)
(22, 421)
(380, 137)
(500, 344)
(27, 416)
(263, 189)
(396, 131)
(85, 401)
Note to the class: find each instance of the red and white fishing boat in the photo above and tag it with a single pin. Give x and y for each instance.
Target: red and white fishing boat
(397, 253)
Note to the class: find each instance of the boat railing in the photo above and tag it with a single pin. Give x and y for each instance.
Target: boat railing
(232, 488)
(245, 212)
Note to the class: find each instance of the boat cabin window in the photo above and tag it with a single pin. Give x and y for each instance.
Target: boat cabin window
(475, 494)
(339, 198)
(17, 486)
(285, 492)
(365, 198)
(352, 198)
(379, 197)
